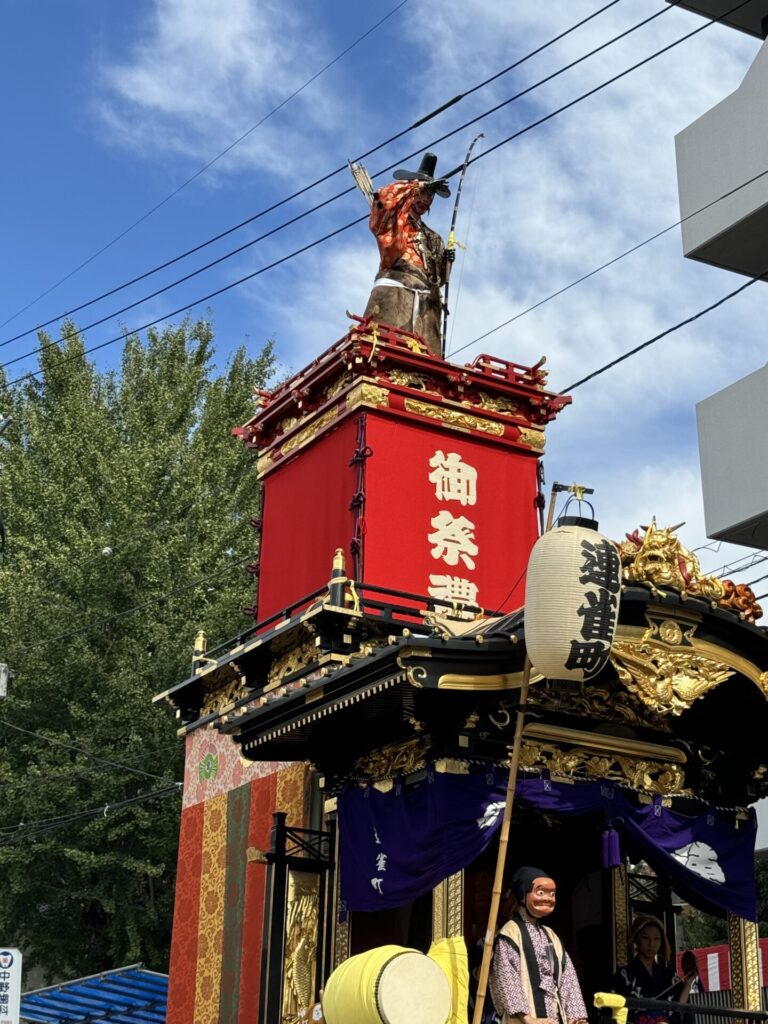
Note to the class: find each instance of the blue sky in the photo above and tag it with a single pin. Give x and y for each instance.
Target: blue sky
(111, 106)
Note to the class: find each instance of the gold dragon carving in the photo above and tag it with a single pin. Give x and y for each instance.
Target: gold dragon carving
(659, 559)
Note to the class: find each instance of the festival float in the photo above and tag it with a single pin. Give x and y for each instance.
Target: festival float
(348, 755)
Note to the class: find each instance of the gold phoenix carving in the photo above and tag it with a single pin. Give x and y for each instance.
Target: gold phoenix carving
(294, 659)
(664, 669)
(639, 773)
(301, 937)
(223, 695)
(453, 417)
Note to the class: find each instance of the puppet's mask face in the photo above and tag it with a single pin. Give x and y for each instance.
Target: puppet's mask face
(540, 901)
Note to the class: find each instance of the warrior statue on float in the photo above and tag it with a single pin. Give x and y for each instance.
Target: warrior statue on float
(415, 263)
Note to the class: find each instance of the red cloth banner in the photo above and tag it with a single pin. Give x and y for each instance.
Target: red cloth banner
(451, 516)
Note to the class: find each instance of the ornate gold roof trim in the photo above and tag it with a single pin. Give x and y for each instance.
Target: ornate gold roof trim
(668, 667)
(604, 742)
(500, 681)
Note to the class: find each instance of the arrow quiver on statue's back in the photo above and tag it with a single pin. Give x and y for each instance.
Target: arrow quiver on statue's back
(414, 261)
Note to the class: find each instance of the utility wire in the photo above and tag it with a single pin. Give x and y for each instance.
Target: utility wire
(338, 170)
(79, 750)
(610, 263)
(663, 334)
(85, 774)
(751, 561)
(202, 170)
(610, 81)
(188, 305)
(36, 829)
(359, 220)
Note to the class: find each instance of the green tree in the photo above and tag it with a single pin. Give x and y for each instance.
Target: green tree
(126, 502)
(700, 929)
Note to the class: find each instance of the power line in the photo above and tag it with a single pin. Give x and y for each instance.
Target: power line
(202, 170)
(750, 560)
(44, 826)
(343, 167)
(610, 263)
(79, 750)
(87, 774)
(663, 334)
(188, 305)
(359, 220)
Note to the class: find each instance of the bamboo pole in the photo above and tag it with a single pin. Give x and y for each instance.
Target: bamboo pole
(498, 880)
(514, 762)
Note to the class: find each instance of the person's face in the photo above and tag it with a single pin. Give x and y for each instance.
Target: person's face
(648, 942)
(540, 901)
(422, 203)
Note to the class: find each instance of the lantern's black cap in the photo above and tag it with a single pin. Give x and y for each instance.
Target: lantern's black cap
(426, 172)
(583, 521)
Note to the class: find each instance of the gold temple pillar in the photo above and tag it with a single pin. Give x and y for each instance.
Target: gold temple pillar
(448, 907)
(745, 963)
(301, 937)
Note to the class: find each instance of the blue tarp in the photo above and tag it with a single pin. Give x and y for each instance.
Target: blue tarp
(128, 995)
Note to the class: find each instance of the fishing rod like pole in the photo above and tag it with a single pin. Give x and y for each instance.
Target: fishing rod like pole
(451, 243)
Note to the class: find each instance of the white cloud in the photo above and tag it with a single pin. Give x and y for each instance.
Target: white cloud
(201, 73)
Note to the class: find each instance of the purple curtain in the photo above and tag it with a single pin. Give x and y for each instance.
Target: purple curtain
(396, 846)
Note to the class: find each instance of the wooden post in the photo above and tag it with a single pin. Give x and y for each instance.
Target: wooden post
(490, 933)
(498, 880)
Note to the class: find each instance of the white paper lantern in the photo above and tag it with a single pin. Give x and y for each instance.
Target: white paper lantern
(572, 597)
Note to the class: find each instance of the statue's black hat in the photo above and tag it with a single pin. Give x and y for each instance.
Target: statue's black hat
(426, 172)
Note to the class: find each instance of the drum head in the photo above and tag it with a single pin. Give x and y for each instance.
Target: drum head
(412, 989)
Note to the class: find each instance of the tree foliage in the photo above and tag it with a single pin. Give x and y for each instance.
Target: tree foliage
(700, 929)
(126, 502)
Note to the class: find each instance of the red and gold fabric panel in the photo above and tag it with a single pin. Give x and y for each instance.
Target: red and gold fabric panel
(262, 806)
(238, 810)
(215, 971)
(210, 933)
(183, 968)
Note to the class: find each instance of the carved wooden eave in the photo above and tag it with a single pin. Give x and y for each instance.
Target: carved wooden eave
(682, 708)
(377, 367)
